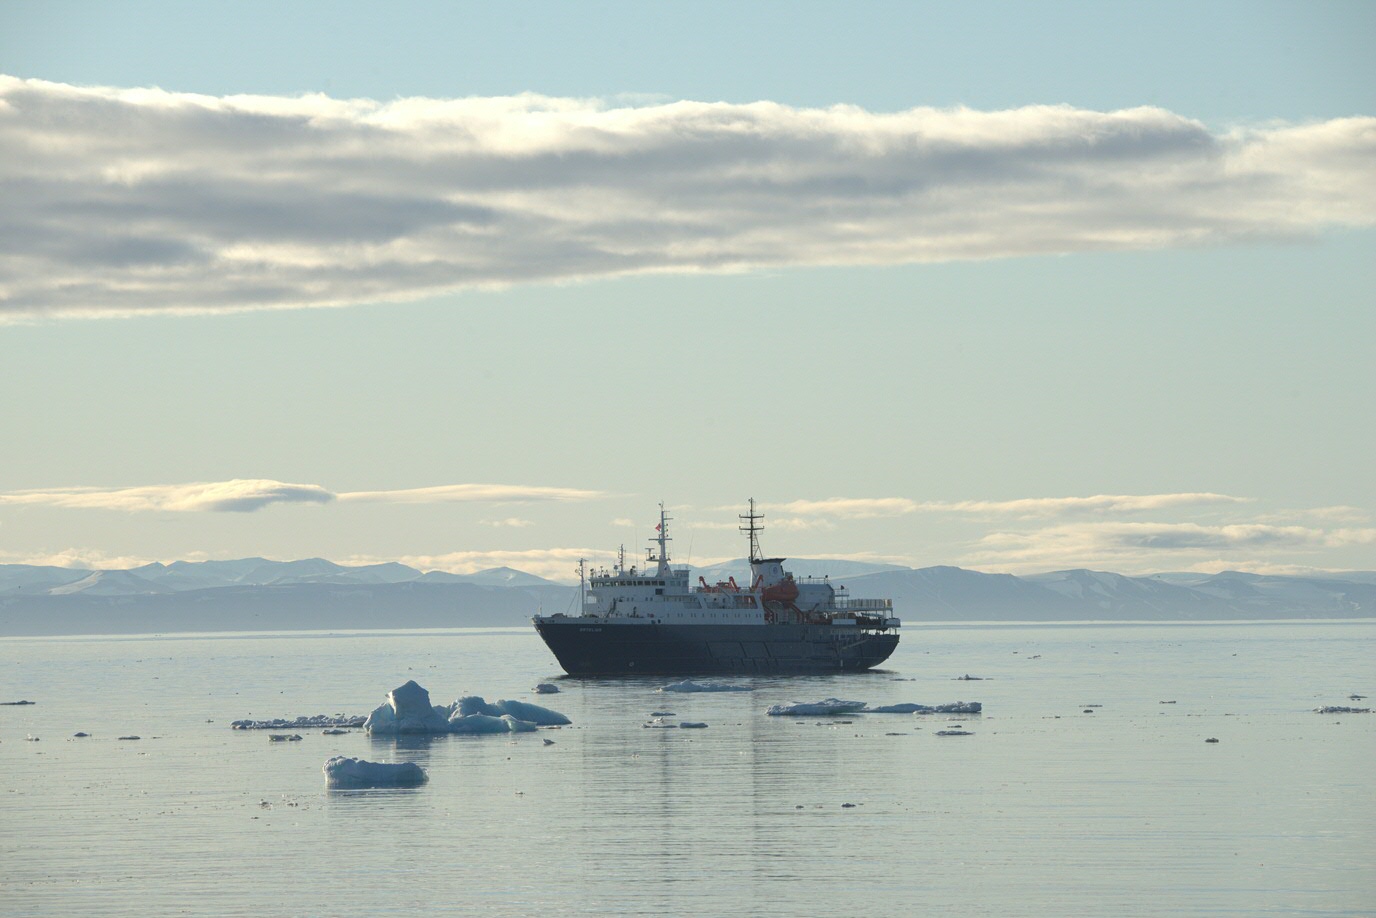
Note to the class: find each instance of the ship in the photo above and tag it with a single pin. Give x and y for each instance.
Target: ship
(650, 620)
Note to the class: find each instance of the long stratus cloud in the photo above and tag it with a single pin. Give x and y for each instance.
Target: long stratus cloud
(1025, 508)
(1117, 543)
(243, 495)
(122, 201)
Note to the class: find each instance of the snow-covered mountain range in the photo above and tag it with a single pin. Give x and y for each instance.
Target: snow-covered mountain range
(258, 594)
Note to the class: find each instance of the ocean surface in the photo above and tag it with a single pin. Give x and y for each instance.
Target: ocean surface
(1085, 788)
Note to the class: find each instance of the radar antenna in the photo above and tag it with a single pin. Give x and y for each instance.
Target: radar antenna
(751, 520)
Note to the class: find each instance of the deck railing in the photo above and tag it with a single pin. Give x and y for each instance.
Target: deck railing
(862, 605)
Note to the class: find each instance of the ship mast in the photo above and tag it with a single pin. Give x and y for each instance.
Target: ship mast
(662, 537)
(751, 519)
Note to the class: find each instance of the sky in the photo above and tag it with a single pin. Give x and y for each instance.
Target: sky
(1013, 287)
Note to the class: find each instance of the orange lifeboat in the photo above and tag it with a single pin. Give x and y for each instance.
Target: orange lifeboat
(783, 591)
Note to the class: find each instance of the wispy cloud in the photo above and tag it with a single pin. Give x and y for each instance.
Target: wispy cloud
(1027, 508)
(1142, 545)
(83, 559)
(246, 495)
(510, 522)
(238, 496)
(852, 507)
(121, 201)
(496, 493)
(559, 564)
(1337, 514)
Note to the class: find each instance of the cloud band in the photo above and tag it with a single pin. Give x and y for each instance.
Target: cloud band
(246, 495)
(127, 201)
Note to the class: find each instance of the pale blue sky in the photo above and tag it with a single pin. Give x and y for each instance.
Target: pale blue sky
(1240, 368)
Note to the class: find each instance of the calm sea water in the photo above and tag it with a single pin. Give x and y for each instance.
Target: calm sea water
(1046, 810)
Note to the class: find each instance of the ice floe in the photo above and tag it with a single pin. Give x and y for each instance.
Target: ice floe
(479, 724)
(521, 710)
(829, 706)
(954, 707)
(1341, 709)
(408, 711)
(688, 685)
(821, 708)
(660, 723)
(347, 771)
(306, 722)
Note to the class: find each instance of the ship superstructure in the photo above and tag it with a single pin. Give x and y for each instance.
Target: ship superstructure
(651, 619)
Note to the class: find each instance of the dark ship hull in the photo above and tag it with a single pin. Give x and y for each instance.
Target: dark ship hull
(597, 648)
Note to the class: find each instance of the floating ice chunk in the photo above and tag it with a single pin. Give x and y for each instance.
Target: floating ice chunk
(521, 710)
(659, 723)
(821, 708)
(954, 733)
(955, 707)
(284, 737)
(304, 722)
(408, 710)
(688, 685)
(532, 713)
(476, 724)
(347, 771)
(546, 688)
(1340, 709)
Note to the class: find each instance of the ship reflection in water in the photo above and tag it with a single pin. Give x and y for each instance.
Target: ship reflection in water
(651, 621)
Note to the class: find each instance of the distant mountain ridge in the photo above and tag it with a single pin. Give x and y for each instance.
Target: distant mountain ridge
(182, 576)
(313, 593)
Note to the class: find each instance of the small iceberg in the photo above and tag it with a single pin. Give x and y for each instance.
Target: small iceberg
(347, 771)
(688, 685)
(823, 708)
(546, 688)
(408, 711)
